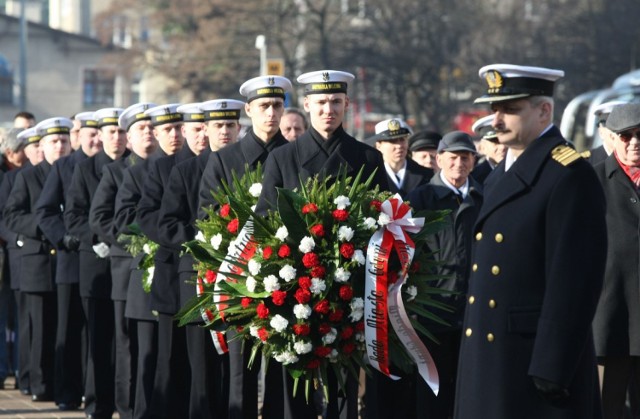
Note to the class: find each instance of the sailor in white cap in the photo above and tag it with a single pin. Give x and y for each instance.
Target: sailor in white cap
(31, 140)
(222, 119)
(167, 126)
(193, 127)
(88, 135)
(607, 136)
(489, 147)
(37, 272)
(537, 264)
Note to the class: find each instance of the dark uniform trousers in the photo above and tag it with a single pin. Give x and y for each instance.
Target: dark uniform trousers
(95, 288)
(102, 222)
(143, 323)
(243, 382)
(37, 275)
(71, 326)
(13, 258)
(296, 162)
(171, 389)
(209, 389)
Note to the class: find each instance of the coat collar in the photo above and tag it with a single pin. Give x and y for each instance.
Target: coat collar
(313, 159)
(613, 171)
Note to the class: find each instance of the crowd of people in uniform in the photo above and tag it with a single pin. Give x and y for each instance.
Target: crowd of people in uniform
(531, 240)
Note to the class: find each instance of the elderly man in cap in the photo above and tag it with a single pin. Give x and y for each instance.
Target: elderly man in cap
(453, 189)
(537, 265)
(391, 140)
(423, 146)
(489, 147)
(37, 270)
(600, 153)
(617, 321)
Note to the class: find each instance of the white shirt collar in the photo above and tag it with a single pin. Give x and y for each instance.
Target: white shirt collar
(463, 190)
(396, 177)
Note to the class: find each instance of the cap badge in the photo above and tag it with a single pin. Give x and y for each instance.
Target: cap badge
(167, 111)
(494, 80)
(223, 105)
(145, 106)
(271, 81)
(393, 125)
(57, 122)
(325, 76)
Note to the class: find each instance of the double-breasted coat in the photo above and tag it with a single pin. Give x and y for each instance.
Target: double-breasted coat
(537, 264)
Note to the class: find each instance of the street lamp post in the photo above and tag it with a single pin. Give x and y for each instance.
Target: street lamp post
(261, 44)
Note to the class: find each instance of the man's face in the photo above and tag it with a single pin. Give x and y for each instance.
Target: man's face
(494, 151)
(114, 140)
(393, 151)
(169, 137)
(89, 139)
(265, 114)
(326, 111)
(22, 122)
(34, 153)
(55, 146)
(627, 147)
(195, 134)
(456, 166)
(222, 133)
(73, 135)
(291, 126)
(140, 136)
(518, 122)
(426, 158)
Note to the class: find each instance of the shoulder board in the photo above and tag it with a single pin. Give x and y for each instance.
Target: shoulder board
(565, 155)
(586, 154)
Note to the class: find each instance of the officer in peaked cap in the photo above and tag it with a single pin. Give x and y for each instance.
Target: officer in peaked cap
(391, 139)
(601, 113)
(222, 121)
(489, 147)
(527, 348)
(37, 270)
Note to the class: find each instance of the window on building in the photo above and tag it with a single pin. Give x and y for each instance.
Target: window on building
(99, 86)
(6, 82)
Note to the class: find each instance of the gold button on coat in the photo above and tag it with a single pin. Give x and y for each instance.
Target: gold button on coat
(490, 337)
(468, 332)
(52, 251)
(474, 267)
(479, 236)
(495, 269)
(492, 303)
(472, 299)
(499, 238)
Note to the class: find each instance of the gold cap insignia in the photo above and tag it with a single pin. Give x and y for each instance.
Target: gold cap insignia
(325, 76)
(494, 80)
(167, 110)
(393, 125)
(223, 105)
(57, 122)
(271, 81)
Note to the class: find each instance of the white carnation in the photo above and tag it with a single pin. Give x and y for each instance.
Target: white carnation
(383, 219)
(150, 271)
(342, 275)
(254, 267)
(358, 256)
(317, 286)
(253, 331)
(286, 357)
(146, 248)
(330, 337)
(307, 244)
(302, 311)
(287, 272)
(216, 241)
(251, 284)
(271, 283)
(370, 223)
(255, 190)
(342, 202)
(345, 233)
(357, 304)
(356, 315)
(200, 237)
(360, 337)
(282, 233)
(279, 323)
(302, 348)
(412, 291)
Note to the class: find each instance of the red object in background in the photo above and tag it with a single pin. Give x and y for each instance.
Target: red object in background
(464, 120)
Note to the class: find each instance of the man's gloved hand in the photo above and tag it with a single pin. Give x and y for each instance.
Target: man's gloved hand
(71, 243)
(553, 393)
(101, 249)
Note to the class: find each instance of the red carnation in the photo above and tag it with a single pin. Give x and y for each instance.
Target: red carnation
(377, 205)
(309, 208)
(284, 251)
(322, 307)
(346, 333)
(336, 315)
(239, 329)
(304, 282)
(263, 311)
(263, 334)
(278, 297)
(232, 227)
(309, 260)
(359, 327)
(301, 329)
(347, 249)
(347, 348)
(346, 292)
(302, 295)
(318, 271)
(210, 276)
(322, 351)
(317, 230)
(340, 215)
(225, 210)
(324, 328)
(267, 252)
(245, 302)
(313, 364)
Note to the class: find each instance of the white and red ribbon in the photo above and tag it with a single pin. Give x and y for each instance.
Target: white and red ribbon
(383, 300)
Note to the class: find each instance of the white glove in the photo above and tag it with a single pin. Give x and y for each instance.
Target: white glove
(101, 249)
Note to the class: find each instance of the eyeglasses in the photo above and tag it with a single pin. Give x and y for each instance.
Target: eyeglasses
(627, 135)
